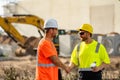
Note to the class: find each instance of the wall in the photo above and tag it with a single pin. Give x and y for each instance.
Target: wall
(70, 14)
(107, 12)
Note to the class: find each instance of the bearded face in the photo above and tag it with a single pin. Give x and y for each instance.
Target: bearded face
(83, 35)
(84, 38)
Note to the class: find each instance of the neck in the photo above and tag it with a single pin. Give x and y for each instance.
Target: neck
(48, 37)
(88, 41)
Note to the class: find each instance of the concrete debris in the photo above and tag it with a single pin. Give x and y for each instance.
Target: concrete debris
(30, 43)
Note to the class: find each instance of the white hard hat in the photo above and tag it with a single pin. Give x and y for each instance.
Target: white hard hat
(51, 23)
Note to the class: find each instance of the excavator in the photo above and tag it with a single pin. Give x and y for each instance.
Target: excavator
(6, 24)
(26, 45)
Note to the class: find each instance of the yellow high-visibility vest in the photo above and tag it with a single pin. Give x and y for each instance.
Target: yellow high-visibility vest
(89, 53)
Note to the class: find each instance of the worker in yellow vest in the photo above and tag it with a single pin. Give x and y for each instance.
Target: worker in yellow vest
(90, 56)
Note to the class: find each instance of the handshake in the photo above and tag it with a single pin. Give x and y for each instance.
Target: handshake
(69, 67)
(93, 67)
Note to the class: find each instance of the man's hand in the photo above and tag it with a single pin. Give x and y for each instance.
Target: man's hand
(95, 69)
(67, 70)
(58, 63)
(101, 67)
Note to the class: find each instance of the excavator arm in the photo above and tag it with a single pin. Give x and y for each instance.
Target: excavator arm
(11, 31)
(6, 24)
(27, 19)
(8, 27)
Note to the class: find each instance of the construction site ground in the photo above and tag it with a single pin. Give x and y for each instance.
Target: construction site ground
(23, 68)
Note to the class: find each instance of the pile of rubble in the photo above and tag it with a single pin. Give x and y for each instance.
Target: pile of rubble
(9, 47)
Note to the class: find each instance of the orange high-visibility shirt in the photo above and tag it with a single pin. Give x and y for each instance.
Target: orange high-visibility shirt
(46, 49)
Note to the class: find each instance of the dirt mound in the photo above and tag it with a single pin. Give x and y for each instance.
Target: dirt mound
(32, 41)
(30, 44)
(5, 39)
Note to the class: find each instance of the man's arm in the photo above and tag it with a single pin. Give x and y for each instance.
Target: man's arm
(57, 62)
(71, 66)
(101, 67)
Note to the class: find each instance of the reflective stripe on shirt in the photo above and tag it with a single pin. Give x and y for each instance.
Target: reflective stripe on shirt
(85, 69)
(46, 65)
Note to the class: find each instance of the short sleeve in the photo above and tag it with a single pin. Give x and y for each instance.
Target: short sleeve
(48, 49)
(74, 55)
(104, 55)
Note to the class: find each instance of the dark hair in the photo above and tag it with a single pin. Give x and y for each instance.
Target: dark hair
(90, 34)
(47, 29)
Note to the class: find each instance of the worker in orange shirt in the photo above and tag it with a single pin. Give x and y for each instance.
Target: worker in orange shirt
(47, 59)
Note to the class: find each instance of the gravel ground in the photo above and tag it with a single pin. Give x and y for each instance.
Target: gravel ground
(23, 68)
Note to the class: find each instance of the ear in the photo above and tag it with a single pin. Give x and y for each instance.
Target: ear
(88, 33)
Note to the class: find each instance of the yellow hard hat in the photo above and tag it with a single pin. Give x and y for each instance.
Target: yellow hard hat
(86, 27)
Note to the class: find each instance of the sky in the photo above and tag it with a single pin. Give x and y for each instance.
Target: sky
(1, 9)
(21, 30)
(3, 2)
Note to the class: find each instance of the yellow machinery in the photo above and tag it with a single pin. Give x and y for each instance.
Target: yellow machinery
(24, 19)
(6, 24)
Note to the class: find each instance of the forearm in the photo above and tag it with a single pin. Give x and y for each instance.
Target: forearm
(57, 62)
(71, 65)
(103, 65)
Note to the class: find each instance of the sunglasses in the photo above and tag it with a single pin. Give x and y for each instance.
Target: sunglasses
(82, 33)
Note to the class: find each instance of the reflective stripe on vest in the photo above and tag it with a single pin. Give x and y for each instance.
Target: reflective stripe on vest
(85, 69)
(97, 47)
(78, 49)
(46, 65)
